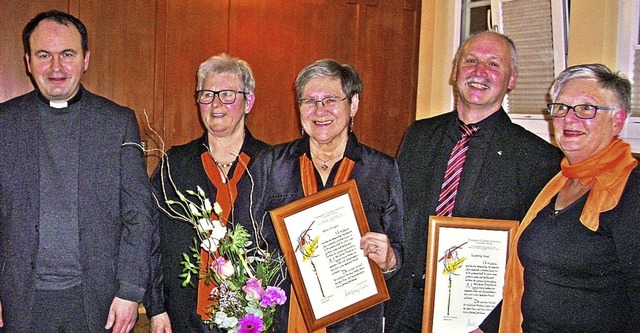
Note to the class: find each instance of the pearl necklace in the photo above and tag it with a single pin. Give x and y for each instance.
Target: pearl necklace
(221, 165)
(324, 166)
(218, 164)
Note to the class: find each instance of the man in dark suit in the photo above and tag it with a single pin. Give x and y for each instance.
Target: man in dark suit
(76, 212)
(505, 167)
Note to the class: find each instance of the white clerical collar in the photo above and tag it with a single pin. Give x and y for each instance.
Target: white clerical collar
(58, 105)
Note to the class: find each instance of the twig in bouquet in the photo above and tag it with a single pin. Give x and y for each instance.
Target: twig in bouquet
(172, 212)
(163, 156)
(257, 229)
(139, 145)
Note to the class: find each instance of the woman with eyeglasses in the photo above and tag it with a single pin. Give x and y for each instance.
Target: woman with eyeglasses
(328, 154)
(575, 264)
(221, 163)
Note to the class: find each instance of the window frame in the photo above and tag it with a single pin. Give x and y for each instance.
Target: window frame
(628, 45)
(628, 39)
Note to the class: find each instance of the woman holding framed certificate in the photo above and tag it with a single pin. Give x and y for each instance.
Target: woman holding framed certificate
(328, 95)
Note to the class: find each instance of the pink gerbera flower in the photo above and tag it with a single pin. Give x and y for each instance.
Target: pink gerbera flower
(251, 324)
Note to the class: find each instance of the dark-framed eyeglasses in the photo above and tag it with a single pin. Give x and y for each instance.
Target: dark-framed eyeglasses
(225, 96)
(331, 102)
(582, 111)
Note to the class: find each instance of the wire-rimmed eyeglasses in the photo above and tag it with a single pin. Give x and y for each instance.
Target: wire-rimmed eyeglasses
(330, 102)
(225, 96)
(582, 111)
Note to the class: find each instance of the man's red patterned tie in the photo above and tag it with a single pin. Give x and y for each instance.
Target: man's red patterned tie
(449, 188)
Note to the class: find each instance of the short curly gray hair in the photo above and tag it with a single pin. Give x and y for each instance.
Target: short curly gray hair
(349, 78)
(224, 63)
(608, 80)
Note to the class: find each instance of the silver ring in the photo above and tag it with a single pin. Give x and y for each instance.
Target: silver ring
(376, 250)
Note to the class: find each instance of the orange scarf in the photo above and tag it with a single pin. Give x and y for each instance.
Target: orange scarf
(226, 194)
(607, 172)
(310, 186)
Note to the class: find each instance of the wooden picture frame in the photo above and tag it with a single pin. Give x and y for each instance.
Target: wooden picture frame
(319, 236)
(465, 267)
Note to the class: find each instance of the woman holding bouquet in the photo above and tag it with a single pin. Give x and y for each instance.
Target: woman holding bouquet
(220, 163)
(328, 154)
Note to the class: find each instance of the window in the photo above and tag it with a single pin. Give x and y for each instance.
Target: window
(476, 17)
(629, 63)
(629, 48)
(537, 27)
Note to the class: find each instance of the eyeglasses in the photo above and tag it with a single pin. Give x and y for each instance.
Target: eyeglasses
(330, 102)
(582, 111)
(225, 96)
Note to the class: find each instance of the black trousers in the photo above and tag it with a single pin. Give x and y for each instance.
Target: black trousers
(59, 311)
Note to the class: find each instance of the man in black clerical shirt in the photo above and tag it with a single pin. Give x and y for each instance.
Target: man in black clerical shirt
(76, 212)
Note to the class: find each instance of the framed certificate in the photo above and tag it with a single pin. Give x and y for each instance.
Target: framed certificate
(320, 238)
(466, 262)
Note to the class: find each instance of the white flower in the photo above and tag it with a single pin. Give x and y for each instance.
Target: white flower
(215, 230)
(210, 244)
(223, 321)
(214, 226)
(204, 225)
(217, 209)
(207, 206)
(219, 230)
(194, 210)
(200, 191)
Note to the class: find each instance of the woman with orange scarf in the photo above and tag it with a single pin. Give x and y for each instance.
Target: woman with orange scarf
(221, 163)
(575, 263)
(328, 154)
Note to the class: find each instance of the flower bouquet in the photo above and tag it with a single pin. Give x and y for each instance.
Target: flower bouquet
(245, 276)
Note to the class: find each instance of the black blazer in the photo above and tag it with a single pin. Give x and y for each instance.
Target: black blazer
(116, 211)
